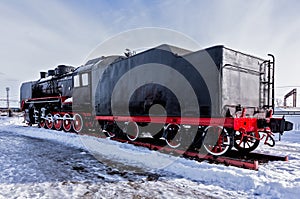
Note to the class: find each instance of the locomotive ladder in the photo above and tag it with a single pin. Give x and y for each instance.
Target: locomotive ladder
(267, 83)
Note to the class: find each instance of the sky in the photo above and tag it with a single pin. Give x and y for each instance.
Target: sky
(39, 35)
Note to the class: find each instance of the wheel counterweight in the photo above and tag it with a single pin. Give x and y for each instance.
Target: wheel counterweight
(49, 121)
(57, 122)
(42, 123)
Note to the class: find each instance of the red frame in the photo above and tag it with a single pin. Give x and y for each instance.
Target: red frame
(238, 124)
(245, 124)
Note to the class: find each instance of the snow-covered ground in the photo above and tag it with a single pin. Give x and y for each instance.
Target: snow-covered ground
(40, 163)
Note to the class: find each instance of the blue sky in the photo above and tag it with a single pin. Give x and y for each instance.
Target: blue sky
(37, 35)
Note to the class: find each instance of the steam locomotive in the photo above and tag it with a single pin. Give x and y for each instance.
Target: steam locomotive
(211, 99)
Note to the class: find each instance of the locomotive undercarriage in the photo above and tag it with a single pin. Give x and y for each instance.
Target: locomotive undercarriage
(215, 136)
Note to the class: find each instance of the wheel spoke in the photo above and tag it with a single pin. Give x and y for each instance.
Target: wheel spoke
(250, 141)
(217, 141)
(248, 144)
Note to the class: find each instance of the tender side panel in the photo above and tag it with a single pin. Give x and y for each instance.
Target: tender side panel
(241, 79)
(132, 86)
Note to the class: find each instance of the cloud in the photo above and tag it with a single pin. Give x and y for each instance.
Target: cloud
(42, 35)
(38, 35)
(254, 27)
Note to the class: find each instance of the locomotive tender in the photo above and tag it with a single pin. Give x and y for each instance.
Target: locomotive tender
(211, 99)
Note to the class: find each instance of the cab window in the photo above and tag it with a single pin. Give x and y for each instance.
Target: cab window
(81, 80)
(85, 79)
(76, 81)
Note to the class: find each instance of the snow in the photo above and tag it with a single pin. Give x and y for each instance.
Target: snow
(70, 99)
(41, 163)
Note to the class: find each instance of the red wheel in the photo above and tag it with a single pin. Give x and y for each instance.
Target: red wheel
(217, 140)
(247, 141)
(42, 123)
(132, 131)
(49, 121)
(57, 122)
(77, 123)
(67, 122)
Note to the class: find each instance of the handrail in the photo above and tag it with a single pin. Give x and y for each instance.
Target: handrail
(242, 68)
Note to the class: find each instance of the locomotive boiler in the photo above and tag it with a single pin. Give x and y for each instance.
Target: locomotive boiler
(210, 99)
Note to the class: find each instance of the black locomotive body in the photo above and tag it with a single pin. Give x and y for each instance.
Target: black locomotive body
(218, 77)
(48, 93)
(216, 92)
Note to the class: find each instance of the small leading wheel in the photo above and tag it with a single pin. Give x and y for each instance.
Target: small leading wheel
(67, 122)
(42, 123)
(217, 140)
(173, 135)
(57, 122)
(77, 123)
(132, 131)
(49, 121)
(246, 142)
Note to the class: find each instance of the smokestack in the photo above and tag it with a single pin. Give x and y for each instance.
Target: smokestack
(43, 74)
(51, 72)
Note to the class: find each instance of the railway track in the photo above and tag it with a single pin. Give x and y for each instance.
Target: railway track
(232, 158)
